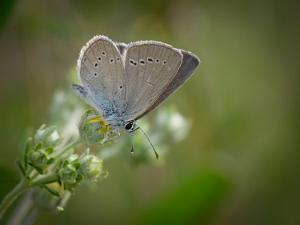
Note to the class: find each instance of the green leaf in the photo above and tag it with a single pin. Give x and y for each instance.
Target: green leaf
(53, 192)
(51, 160)
(39, 170)
(79, 178)
(22, 169)
(65, 163)
(26, 150)
(76, 164)
(49, 150)
(38, 146)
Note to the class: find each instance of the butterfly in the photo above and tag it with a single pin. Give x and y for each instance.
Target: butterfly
(124, 82)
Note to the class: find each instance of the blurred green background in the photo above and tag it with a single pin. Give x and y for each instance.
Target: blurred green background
(240, 161)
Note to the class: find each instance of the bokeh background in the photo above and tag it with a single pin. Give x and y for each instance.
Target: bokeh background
(240, 161)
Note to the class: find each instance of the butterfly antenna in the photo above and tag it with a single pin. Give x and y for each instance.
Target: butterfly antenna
(155, 152)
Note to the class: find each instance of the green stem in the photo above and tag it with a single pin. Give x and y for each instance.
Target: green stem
(23, 212)
(44, 180)
(64, 201)
(12, 196)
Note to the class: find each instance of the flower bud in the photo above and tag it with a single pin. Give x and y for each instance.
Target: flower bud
(93, 129)
(68, 176)
(68, 172)
(91, 167)
(48, 136)
(40, 158)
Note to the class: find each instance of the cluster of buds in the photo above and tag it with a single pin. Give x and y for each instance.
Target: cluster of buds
(53, 165)
(40, 158)
(76, 168)
(38, 154)
(57, 162)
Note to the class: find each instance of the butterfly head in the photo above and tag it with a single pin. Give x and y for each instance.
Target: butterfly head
(130, 126)
(116, 122)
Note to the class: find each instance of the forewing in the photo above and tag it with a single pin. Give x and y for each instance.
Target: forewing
(150, 67)
(188, 65)
(101, 70)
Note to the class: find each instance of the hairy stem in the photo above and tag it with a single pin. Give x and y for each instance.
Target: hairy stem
(23, 212)
(12, 196)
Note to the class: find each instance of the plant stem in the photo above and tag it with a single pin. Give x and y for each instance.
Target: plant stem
(23, 212)
(44, 180)
(12, 196)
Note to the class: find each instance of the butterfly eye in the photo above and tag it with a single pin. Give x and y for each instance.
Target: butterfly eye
(129, 126)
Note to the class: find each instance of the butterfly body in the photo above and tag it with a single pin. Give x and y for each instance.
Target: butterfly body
(123, 82)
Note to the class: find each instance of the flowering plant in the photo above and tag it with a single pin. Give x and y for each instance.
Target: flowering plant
(58, 158)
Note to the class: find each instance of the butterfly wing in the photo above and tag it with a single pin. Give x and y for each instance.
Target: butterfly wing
(154, 70)
(150, 67)
(101, 70)
(188, 65)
